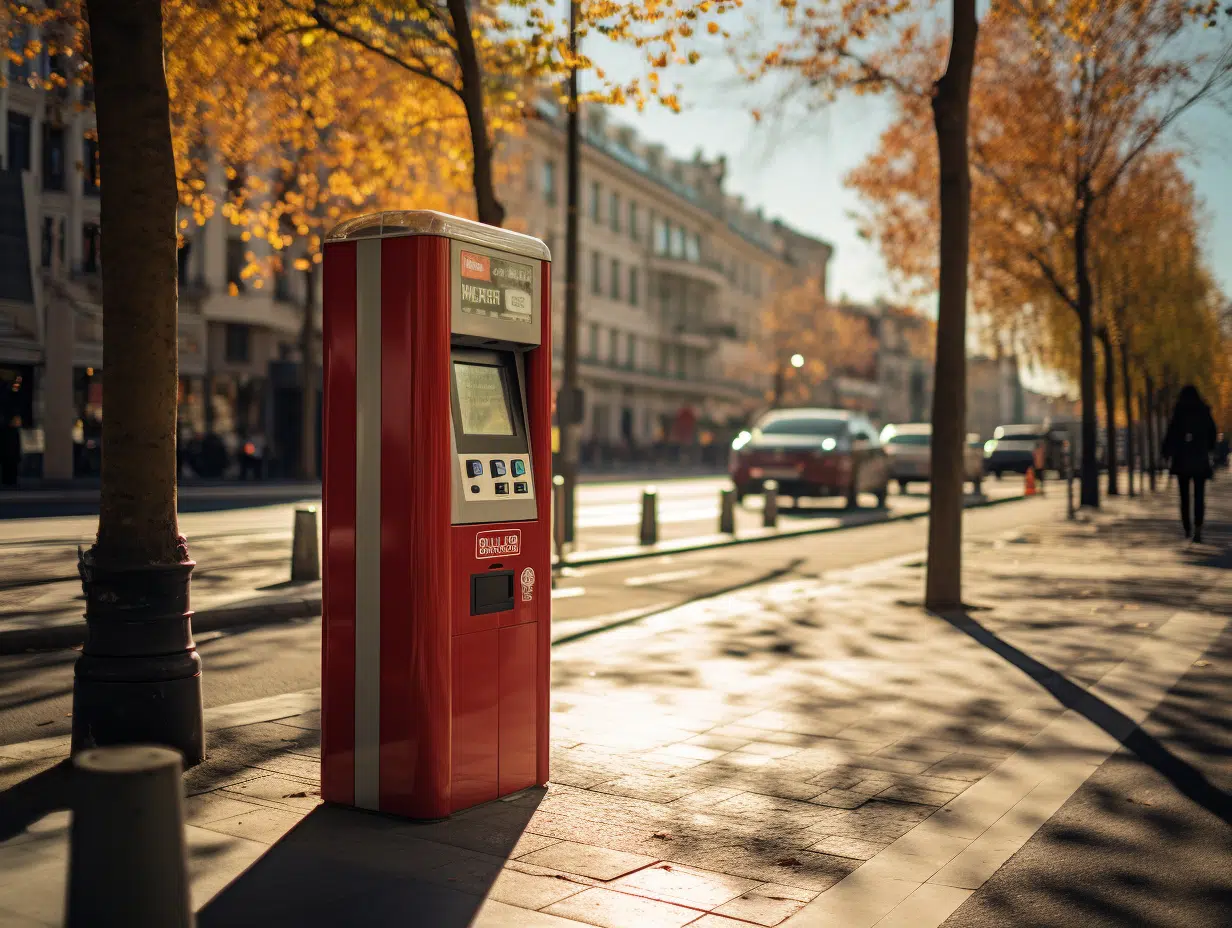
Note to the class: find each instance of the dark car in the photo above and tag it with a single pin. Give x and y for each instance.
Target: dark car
(1012, 449)
(811, 453)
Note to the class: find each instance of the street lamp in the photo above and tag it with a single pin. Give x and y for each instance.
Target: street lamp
(797, 360)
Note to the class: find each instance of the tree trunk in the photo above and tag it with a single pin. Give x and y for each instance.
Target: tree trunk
(1110, 425)
(1152, 433)
(487, 205)
(139, 677)
(951, 104)
(308, 382)
(1089, 471)
(567, 416)
(778, 385)
(1127, 391)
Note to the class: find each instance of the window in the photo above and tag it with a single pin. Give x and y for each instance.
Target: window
(677, 242)
(595, 195)
(49, 235)
(549, 182)
(613, 211)
(614, 282)
(90, 171)
(91, 243)
(631, 357)
(634, 231)
(613, 345)
(21, 39)
(237, 347)
(236, 260)
(661, 234)
(53, 158)
(596, 284)
(756, 281)
(693, 248)
(633, 286)
(664, 352)
(62, 243)
(282, 284)
(593, 351)
(19, 142)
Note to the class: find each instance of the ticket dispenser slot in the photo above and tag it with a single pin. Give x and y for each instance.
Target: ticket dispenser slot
(491, 592)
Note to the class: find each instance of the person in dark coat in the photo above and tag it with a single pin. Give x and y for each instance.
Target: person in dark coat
(1187, 445)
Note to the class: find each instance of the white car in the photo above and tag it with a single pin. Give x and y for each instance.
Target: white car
(909, 448)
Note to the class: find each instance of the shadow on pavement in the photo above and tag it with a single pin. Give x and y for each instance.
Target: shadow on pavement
(28, 800)
(1186, 778)
(338, 863)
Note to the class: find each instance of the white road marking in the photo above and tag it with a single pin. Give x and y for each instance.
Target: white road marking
(568, 592)
(668, 576)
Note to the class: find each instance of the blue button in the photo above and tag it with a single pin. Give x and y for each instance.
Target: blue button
(498, 468)
(519, 467)
(474, 468)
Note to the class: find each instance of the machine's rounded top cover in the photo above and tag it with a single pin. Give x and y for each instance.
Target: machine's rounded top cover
(429, 222)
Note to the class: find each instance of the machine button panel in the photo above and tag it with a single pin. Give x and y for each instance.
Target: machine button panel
(488, 479)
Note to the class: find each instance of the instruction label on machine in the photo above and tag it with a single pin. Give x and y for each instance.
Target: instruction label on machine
(496, 288)
(498, 544)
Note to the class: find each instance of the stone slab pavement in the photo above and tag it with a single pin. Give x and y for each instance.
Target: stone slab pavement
(808, 752)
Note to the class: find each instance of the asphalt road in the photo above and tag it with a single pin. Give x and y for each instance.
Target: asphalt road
(249, 663)
(44, 549)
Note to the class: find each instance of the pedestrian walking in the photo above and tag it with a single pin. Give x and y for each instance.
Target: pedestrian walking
(1187, 446)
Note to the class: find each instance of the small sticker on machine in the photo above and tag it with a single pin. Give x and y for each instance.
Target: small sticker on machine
(498, 544)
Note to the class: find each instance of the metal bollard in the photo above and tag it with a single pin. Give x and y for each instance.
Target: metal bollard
(305, 555)
(127, 858)
(770, 510)
(558, 524)
(649, 533)
(1069, 486)
(727, 512)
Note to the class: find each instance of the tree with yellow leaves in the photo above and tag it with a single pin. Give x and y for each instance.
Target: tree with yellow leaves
(805, 340)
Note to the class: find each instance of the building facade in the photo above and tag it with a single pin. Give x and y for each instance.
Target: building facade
(674, 273)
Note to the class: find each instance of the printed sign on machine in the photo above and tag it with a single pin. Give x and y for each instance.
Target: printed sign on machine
(498, 544)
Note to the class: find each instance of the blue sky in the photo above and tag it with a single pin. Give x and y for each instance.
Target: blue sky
(795, 171)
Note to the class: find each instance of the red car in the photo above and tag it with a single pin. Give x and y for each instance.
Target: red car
(811, 453)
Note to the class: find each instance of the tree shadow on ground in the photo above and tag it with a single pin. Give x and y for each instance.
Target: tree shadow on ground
(1186, 778)
(338, 863)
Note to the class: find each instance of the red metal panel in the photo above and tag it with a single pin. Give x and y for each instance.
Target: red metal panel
(415, 505)
(338, 574)
(539, 400)
(476, 672)
(464, 564)
(519, 695)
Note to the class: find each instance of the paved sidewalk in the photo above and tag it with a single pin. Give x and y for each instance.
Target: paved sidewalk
(814, 752)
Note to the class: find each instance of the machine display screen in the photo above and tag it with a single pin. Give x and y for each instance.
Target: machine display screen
(482, 399)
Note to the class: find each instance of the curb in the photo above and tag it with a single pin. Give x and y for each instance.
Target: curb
(58, 637)
(684, 546)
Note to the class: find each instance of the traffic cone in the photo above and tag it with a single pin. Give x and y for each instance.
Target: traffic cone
(1030, 487)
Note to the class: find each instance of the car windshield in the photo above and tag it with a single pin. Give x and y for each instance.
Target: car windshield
(900, 438)
(1019, 436)
(809, 426)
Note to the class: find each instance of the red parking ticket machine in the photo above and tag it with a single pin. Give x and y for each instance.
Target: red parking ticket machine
(437, 469)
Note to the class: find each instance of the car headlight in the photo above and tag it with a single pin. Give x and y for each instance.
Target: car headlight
(828, 444)
(990, 446)
(741, 440)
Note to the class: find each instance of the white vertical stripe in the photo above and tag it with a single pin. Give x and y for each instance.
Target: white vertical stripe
(368, 524)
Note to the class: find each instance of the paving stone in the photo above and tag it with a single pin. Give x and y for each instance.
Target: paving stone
(283, 790)
(684, 885)
(707, 796)
(927, 797)
(599, 863)
(264, 825)
(770, 750)
(530, 891)
(843, 846)
(214, 806)
(719, 742)
(772, 863)
(609, 909)
(691, 751)
(767, 904)
(655, 789)
(970, 767)
(841, 799)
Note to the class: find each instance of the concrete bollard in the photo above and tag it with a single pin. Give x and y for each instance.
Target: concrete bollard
(727, 512)
(770, 510)
(305, 554)
(649, 533)
(127, 860)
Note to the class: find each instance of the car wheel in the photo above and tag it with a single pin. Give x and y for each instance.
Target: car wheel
(902, 486)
